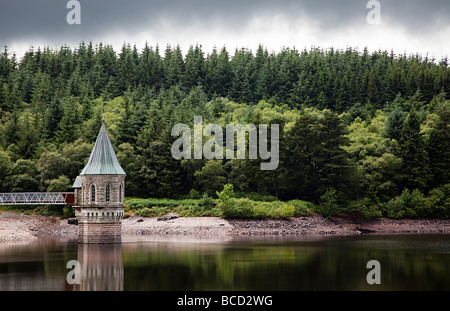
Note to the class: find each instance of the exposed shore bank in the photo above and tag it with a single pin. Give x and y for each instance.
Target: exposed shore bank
(23, 228)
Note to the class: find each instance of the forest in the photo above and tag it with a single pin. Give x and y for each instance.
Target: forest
(360, 133)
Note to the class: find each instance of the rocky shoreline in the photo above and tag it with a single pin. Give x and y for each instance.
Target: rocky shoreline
(23, 228)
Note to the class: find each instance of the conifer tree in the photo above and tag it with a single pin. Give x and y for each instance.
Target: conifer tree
(394, 124)
(173, 66)
(416, 170)
(438, 148)
(194, 67)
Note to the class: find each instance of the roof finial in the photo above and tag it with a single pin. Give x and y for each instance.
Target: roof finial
(103, 109)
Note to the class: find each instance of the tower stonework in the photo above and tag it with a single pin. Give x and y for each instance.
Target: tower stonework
(99, 195)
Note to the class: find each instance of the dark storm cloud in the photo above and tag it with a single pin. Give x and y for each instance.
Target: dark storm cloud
(45, 20)
(417, 15)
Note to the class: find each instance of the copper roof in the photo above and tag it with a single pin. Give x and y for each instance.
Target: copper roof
(77, 182)
(103, 160)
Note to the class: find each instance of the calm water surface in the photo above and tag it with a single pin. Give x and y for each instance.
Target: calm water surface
(408, 262)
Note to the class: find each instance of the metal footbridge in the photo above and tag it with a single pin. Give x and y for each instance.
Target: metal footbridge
(37, 198)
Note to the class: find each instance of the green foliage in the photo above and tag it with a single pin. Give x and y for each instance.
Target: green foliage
(381, 179)
(255, 196)
(302, 208)
(438, 146)
(316, 141)
(153, 212)
(416, 170)
(194, 194)
(414, 204)
(408, 204)
(368, 125)
(273, 210)
(242, 208)
(5, 167)
(137, 204)
(236, 208)
(329, 206)
(205, 206)
(211, 177)
(437, 203)
(226, 194)
(206, 203)
(62, 184)
(68, 211)
(364, 208)
(394, 124)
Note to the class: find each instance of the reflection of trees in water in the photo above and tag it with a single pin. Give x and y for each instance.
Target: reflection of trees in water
(278, 267)
(232, 267)
(316, 265)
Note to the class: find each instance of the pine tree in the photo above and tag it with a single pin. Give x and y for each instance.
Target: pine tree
(160, 173)
(125, 130)
(194, 67)
(438, 150)
(438, 147)
(173, 67)
(211, 69)
(12, 129)
(68, 124)
(6, 65)
(416, 170)
(13, 97)
(5, 171)
(3, 88)
(218, 73)
(315, 158)
(241, 89)
(337, 170)
(394, 124)
(151, 68)
(52, 116)
(28, 139)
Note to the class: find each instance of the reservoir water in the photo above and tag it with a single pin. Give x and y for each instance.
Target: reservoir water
(407, 262)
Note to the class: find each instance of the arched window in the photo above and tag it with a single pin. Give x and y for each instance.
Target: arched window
(120, 193)
(93, 193)
(108, 193)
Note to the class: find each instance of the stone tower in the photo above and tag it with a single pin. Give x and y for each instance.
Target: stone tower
(99, 194)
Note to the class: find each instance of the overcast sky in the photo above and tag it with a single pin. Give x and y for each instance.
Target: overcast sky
(407, 26)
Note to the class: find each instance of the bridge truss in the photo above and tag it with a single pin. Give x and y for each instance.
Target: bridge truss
(37, 198)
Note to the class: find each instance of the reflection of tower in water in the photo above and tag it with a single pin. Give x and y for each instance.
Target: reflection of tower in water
(101, 267)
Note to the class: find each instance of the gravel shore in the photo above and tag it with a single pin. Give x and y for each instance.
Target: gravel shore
(22, 228)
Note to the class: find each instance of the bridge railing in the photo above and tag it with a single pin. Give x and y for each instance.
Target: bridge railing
(36, 198)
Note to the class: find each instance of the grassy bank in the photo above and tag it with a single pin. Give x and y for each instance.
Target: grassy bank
(65, 211)
(228, 204)
(203, 207)
(206, 206)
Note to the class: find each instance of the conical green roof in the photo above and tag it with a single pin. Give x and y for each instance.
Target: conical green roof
(103, 160)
